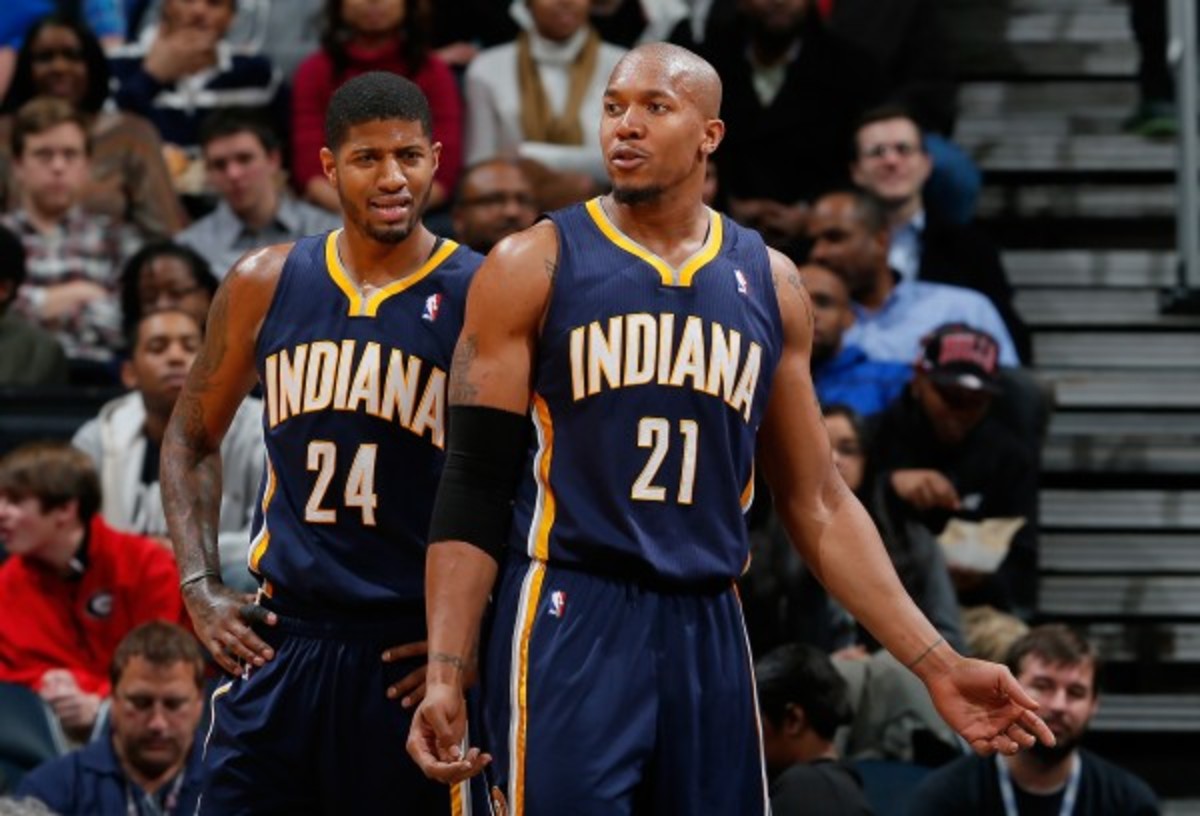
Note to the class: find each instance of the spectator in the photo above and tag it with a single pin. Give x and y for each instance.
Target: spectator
(540, 98)
(166, 276)
(803, 702)
(793, 91)
(241, 155)
(991, 633)
(129, 180)
(357, 37)
(1060, 670)
(183, 68)
(29, 355)
(102, 16)
(892, 315)
(148, 760)
(842, 374)
(124, 440)
(1155, 116)
(494, 199)
(72, 586)
(73, 258)
(462, 27)
(943, 457)
(908, 40)
(892, 164)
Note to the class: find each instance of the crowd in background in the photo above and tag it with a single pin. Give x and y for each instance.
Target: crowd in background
(145, 145)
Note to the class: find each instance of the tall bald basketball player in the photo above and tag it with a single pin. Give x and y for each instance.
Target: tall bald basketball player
(351, 335)
(646, 341)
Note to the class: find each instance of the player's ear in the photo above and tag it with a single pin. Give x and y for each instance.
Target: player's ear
(329, 165)
(714, 132)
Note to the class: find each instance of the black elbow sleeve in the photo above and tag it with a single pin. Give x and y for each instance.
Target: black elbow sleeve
(486, 453)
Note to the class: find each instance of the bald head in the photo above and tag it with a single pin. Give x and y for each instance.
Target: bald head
(689, 74)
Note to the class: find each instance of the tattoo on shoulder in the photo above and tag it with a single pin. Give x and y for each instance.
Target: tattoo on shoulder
(462, 391)
(793, 278)
(551, 267)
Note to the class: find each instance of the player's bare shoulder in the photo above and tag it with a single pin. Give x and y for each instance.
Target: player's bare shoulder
(518, 274)
(794, 305)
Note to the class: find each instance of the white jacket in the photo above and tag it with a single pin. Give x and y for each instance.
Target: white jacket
(116, 442)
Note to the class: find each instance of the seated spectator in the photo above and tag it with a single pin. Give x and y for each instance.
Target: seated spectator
(892, 315)
(891, 163)
(1059, 669)
(494, 200)
(241, 156)
(129, 181)
(356, 38)
(792, 93)
(991, 633)
(72, 586)
(942, 457)
(462, 27)
(124, 441)
(803, 702)
(842, 374)
(29, 355)
(908, 40)
(102, 16)
(148, 760)
(540, 99)
(72, 258)
(166, 276)
(182, 69)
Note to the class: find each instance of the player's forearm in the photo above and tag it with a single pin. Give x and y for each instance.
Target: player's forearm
(190, 476)
(458, 580)
(844, 550)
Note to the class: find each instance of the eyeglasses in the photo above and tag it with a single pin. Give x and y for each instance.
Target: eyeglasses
(498, 199)
(51, 54)
(901, 149)
(145, 703)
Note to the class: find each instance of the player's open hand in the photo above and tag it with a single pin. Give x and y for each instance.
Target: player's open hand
(223, 620)
(436, 738)
(984, 703)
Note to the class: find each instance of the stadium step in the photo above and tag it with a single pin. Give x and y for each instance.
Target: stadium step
(1148, 713)
(1121, 510)
(1124, 596)
(1106, 389)
(1122, 442)
(1092, 349)
(1121, 553)
(1028, 269)
(1142, 640)
(1083, 198)
(1114, 308)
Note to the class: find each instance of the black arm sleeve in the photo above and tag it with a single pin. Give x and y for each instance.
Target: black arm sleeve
(487, 450)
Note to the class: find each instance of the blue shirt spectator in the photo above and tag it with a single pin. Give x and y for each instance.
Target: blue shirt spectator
(104, 17)
(851, 378)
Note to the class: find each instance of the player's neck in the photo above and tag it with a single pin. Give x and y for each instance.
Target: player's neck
(668, 226)
(1032, 775)
(372, 264)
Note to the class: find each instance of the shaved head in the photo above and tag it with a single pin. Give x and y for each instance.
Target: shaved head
(688, 73)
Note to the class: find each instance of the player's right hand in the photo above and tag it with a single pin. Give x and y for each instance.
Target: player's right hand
(435, 740)
(223, 619)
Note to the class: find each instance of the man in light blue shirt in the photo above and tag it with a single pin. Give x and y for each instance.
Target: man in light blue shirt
(241, 155)
(851, 236)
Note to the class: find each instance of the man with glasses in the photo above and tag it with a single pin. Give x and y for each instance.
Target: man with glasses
(149, 762)
(892, 163)
(495, 199)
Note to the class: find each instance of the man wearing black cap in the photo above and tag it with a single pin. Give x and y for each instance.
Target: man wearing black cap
(944, 456)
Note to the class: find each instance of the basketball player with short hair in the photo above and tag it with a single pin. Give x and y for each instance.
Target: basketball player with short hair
(351, 335)
(646, 339)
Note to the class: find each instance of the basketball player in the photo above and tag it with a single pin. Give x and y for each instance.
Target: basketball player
(351, 335)
(646, 339)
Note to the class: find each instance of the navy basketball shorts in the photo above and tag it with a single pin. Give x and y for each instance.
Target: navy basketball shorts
(313, 732)
(604, 697)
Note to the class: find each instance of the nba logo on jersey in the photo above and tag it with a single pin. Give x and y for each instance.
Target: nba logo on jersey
(742, 286)
(432, 304)
(558, 603)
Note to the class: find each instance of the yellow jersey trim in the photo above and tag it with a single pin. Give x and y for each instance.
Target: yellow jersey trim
(368, 306)
(546, 506)
(531, 596)
(669, 276)
(260, 544)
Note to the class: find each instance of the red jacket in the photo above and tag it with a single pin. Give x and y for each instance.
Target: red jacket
(314, 84)
(49, 622)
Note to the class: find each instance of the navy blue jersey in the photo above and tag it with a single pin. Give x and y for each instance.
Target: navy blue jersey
(650, 386)
(355, 426)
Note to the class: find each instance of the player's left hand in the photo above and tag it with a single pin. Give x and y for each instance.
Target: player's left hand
(984, 703)
(410, 690)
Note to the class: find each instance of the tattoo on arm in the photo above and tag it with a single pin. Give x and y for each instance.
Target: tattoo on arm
(462, 391)
(450, 659)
